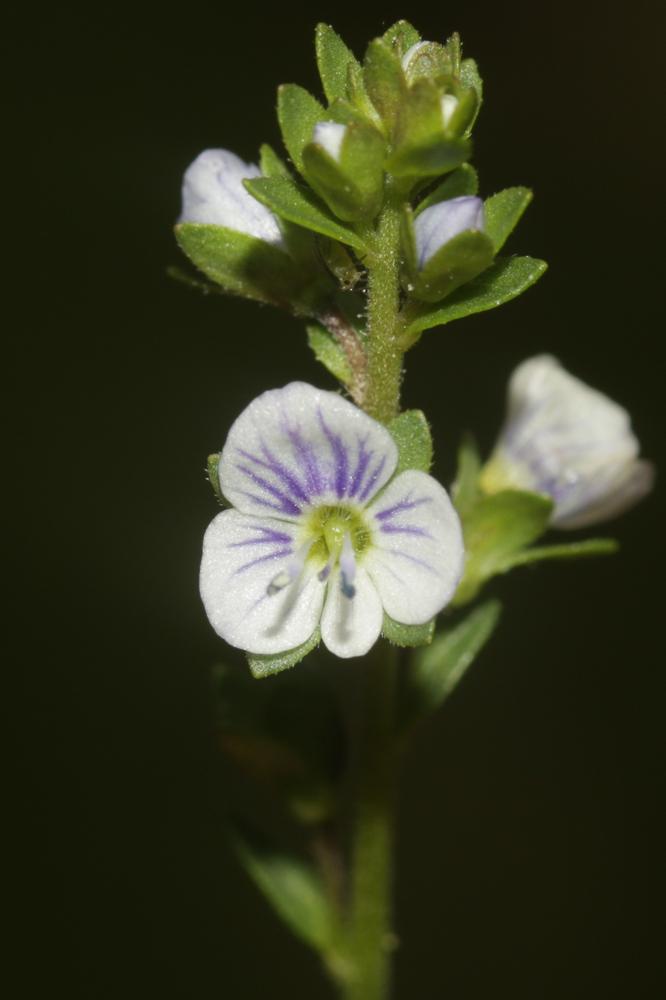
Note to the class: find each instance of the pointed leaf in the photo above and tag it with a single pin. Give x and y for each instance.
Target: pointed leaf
(384, 80)
(401, 36)
(570, 550)
(465, 490)
(333, 61)
(328, 351)
(294, 890)
(504, 280)
(408, 635)
(298, 113)
(437, 670)
(470, 77)
(212, 465)
(454, 264)
(463, 181)
(411, 433)
(502, 212)
(297, 204)
(265, 665)
(435, 157)
(271, 164)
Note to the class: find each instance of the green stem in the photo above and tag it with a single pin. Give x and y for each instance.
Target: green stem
(369, 939)
(384, 370)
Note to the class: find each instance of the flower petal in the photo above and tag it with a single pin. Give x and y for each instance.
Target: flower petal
(350, 626)
(241, 556)
(213, 193)
(299, 446)
(417, 556)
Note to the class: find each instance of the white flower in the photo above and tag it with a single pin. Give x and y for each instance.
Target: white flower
(567, 440)
(449, 105)
(441, 222)
(320, 533)
(330, 136)
(213, 193)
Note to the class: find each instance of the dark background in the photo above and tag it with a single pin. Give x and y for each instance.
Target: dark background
(529, 849)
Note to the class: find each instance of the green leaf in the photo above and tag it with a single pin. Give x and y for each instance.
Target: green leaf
(333, 61)
(265, 665)
(470, 77)
(465, 490)
(504, 280)
(457, 262)
(437, 670)
(271, 164)
(212, 467)
(352, 185)
(495, 529)
(437, 156)
(502, 212)
(384, 80)
(298, 205)
(400, 37)
(422, 146)
(568, 550)
(294, 890)
(340, 263)
(328, 351)
(408, 635)
(241, 264)
(463, 181)
(411, 433)
(298, 113)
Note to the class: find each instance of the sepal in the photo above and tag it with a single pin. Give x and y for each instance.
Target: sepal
(457, 262)
(265, 665)
(350, 179)
(411, 432)
(503, 211)
(212, 474)
(298, 113)
(407, 636)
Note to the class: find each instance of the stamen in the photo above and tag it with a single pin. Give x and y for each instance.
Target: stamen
(324, 573)
(347, 567)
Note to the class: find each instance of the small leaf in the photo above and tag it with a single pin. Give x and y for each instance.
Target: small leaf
(502, 212)
(465, 489)
(470, 77)
(384, 80)
(408, 635)
(271, 164)
(495, 529)
(569, 550)
(340, 263)
(437, 670)
(212, 467)
(241, 264)
(401, 36)
(265, 665)
(463, 181)
(333, 61)
(298, 113)
(329, 353)
(294, 890)
(411, 433)
(504, 280)
(298, 205)
(457, 262)
(432, 158)
(422, 146)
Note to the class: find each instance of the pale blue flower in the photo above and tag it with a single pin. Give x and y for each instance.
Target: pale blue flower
(440, 223)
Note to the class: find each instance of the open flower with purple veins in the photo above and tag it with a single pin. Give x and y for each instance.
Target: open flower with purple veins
(321, 533)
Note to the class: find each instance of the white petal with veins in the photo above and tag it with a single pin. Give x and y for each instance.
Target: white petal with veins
(417, 555)
(349, 627)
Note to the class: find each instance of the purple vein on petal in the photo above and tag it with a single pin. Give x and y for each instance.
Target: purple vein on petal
(362, 463)
(287, 504)
(270, 462)
(263, 502)
(279, 553)
(412, 559)
(305, 455)
(404, 529)
(405, 504)
(340, 457)
(268, 537)
(369, 487)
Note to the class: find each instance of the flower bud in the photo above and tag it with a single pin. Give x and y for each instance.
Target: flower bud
(440, 223)
(213, 194)
(345, 166)
(330, 135)
(570, 442)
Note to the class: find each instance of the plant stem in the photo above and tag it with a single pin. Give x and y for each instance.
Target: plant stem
(369, 929)
(384, 371)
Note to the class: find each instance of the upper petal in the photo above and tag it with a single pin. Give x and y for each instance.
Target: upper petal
(298, 446)
(439, 223)
(417, 555)
(350, 626)
(241, 556)
(213, 193)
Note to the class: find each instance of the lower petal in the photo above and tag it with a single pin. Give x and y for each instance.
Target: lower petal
(417, 555)
(241, 556)
(350, 626)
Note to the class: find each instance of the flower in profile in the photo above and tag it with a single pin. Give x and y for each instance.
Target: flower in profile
(438, 224)
(565, 439)
(321, 533)
(213, 193)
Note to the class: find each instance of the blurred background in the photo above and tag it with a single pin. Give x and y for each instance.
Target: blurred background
(529, 850)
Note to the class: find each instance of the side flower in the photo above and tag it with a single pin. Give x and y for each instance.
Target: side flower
(321, 534)
(569, 441)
